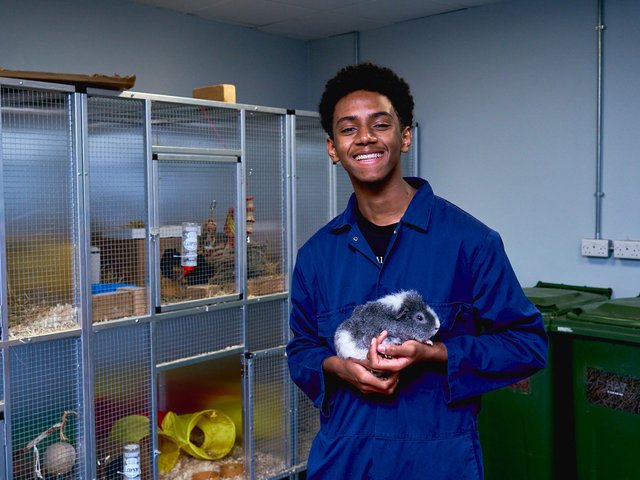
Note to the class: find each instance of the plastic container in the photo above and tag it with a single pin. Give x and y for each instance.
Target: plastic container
(605, 345)
(98, 288)
(526, 429)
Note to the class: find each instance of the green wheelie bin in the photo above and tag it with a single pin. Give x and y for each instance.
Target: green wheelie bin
(525, 431)
(605, 345)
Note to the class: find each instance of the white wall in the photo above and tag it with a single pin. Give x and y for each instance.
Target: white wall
(170, 53)
(506, 102)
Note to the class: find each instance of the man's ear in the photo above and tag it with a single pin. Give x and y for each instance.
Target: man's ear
(406, 139)
(331, 150)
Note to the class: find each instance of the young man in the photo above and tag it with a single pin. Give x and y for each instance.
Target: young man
(418, 419)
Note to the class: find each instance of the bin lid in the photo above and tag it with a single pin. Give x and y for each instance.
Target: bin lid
(617, 319)
(553, 299)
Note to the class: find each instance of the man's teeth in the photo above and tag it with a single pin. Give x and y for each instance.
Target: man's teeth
(368, 156)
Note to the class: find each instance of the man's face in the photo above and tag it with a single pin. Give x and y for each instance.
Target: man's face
(367, 137)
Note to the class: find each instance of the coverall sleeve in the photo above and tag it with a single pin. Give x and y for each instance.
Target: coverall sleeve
(512, 343)
(306, 350)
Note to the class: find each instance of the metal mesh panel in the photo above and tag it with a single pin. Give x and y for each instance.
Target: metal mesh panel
(307, 425)
(122, 369)
(266, 198)
(271, 417)
(266, 325)
(410, 159)
(196, 335)
(1, 382)
(195, 126)
(343, 188)
(40, 198)
(192, 390)
(313, 170)
(2, 457)
(118, 208)
(198, 192)
(45, 383)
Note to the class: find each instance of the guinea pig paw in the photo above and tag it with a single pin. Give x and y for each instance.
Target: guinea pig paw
(429, 342)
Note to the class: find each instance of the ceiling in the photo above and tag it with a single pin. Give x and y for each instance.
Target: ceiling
(313, 19)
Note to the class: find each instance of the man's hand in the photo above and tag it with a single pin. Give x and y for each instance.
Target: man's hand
(394, 358)
(360, 373)
(380, 372)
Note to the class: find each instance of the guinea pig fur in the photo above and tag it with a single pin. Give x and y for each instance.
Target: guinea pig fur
(404, 315)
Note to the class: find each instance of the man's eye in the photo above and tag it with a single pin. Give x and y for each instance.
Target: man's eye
(347, 130)
(382, 126)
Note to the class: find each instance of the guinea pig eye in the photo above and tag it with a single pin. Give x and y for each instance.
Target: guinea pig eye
(419, 317)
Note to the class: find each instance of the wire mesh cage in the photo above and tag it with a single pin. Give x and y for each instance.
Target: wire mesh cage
(46, 410)
(197, 336)
(2, 394)
(200, 412)
(122, 364)
(312, 178)
(268, 405)
(199, 362)
(155, 183)
(196, 149)
(40, 201)
(116, 157)
(307, 424)
(195, 126)
(191, 195)
(265, 174)
(266, 325)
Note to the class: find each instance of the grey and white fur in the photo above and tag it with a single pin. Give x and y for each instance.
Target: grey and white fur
(404, 315)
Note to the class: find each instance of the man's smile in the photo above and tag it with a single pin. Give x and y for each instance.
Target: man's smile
(368, 156)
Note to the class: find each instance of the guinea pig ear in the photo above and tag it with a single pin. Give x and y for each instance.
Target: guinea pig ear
(402, 313)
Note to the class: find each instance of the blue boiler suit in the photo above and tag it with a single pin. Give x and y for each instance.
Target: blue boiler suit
(494, 336)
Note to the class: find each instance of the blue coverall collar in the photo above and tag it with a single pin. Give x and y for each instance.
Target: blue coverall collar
(417, 215)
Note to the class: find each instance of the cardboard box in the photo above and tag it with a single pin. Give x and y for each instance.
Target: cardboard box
(139, 300)
(222, 93)
(112, 305)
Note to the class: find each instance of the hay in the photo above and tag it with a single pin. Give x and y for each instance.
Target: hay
(265, 465)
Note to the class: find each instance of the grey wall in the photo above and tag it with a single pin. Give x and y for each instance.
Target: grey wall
(506, 103)
(170, 53)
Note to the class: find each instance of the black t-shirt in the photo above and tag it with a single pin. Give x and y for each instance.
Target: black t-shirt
(378, 237)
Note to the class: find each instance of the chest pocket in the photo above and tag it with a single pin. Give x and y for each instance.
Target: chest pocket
(456, 318)
(328, 323)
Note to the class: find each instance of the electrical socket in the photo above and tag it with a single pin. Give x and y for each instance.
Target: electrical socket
(595, 247)
(627, 249)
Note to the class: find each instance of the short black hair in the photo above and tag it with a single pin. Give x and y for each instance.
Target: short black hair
(370, 77)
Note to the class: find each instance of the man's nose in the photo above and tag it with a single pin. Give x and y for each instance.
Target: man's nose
(367, 135)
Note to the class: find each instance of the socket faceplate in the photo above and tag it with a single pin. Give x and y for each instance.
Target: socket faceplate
(626, 249)
(594, 247)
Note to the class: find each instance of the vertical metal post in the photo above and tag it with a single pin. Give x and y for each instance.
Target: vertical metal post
(153, 280)
(292, 246)
(247, 411)
(80, 114)
(153, 215)
(4, 320)
(241, 209)
(4, 326)
(599, 194)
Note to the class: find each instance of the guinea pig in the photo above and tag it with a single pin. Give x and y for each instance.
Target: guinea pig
(404, 315)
